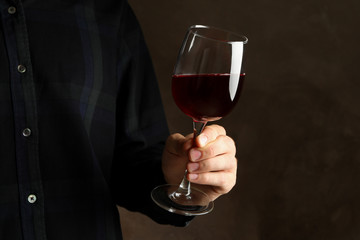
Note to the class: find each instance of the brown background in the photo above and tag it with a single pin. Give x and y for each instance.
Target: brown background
(296, 125)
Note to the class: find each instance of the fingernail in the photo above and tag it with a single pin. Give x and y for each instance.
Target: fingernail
(193, 176)
(203, 139)
(195, 154)
(193, 167)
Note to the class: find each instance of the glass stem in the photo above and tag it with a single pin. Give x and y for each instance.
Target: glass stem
(184, 187)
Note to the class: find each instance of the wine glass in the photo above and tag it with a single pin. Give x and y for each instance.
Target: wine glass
(206, 85)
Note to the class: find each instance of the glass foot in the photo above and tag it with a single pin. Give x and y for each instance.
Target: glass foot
(171, 199)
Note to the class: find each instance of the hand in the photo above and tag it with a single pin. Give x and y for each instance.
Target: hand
(210, 161)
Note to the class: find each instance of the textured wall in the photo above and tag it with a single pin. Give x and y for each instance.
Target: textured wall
(296, 125)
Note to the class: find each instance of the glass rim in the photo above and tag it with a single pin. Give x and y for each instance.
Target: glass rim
(242, 38)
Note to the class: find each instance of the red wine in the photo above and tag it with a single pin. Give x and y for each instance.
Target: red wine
(207, 97)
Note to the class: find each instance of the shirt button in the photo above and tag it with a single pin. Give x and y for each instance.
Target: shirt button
(21, 68)
(12, 10)
(26, 132)
(32, 198)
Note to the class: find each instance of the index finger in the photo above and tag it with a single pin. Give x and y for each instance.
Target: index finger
(209, 134)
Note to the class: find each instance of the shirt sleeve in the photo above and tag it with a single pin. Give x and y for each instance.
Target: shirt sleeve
(141, 128)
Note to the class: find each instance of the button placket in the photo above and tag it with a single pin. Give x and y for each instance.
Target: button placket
(22, 90)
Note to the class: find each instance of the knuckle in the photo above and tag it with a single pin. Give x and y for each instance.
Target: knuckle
(170, 139)
(185, 147)
(205, 178)
(176, 143)
(221, 180)
(173, 138)
(229, 140)
(206, 166)
(233, 180)
(176, 136)
(227, 188)
(203, 166)
(210, 151)
(189, 136)
(220, 129)
(224, 139)
(233, 163)
(230, 182)
(230, 143)
(209, 132)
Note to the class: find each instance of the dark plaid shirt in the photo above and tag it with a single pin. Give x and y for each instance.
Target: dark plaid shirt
(82, 125)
